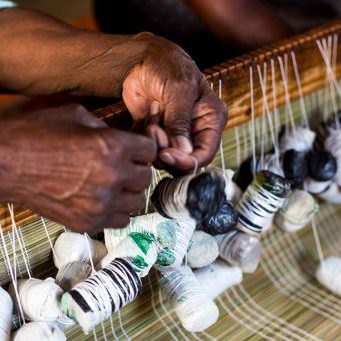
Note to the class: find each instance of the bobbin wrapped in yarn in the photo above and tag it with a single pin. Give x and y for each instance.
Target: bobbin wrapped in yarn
(240, 249)
(71, 274)
(332, 194)
(322, 165)
(93, 301)
(328, 274)
(41, 331)
(332, 144)
(295, 167)
(195, 197)
(39, 299)
(194, 308)
(172, 237)
(300, 139)
(222, 222)
(202, 250)
(6, 310)
(217, 277)
(263, 197)
(297, 211)
(70, 247)
(141, 248)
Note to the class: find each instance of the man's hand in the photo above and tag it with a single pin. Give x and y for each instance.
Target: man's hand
(185, 117)
(44, 56)
(68, 166)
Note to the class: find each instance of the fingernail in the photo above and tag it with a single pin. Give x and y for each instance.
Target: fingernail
(154, 108)
(184, 144)
(167, 158)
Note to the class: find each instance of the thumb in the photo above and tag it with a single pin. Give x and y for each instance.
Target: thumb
(178, 124)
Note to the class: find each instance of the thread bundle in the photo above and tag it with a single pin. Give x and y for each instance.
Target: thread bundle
(108, 290)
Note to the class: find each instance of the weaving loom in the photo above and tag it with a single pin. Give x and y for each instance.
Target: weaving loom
(282, 299)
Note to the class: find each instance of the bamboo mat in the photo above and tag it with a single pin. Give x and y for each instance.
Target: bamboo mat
(280, 301)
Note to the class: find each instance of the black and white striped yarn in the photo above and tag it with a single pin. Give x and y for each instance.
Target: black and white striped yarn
(93, 301)
(261, 200)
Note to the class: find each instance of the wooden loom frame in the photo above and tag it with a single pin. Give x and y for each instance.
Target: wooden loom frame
(234, 78)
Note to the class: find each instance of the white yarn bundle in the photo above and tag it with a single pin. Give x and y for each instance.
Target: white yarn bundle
(39, 331)
(39, 299)
(217, 277)
(297, 211)
(240, 249)
(202, 250)
(141, 248)
(93, 301)
(300, 139)
(194, 308)
(333, 145)
(332, 194)
(70, 247)
(6, 310)
(315, 187)
(328, 274)
(71, 274)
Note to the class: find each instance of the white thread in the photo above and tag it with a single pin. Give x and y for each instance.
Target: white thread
(300, 91)
(252, 121)
(286, 91)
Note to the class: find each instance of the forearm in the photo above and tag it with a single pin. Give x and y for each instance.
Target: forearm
(42, 55)
(243, 23)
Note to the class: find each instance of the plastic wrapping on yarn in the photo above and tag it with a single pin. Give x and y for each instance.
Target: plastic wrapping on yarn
(39, 299)
(70, 247)
(194, 308)
(73, 273)
(172, 237)
(93, 301)
(6, 310)
(328, 274)
(322, 165)
(295, 167)
(141, 248)
(218, 277)
(202, 250)
(223, 221)
(297, 211)
(332, 194)
(333, 145)
(191, 196)
(240, 249)
(300, 139)
(263, 197)
(39, 331)
(315, 187)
